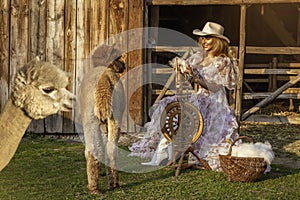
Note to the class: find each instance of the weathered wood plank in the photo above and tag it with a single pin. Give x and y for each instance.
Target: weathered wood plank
(18, 35)
(134, 60)
(70, 59)
(37, 46)
(80, 57)
(272, 71)
(242, 46)
(262, 95)
(118, 22)
(280, 65)
(87, 34)
(249, 49)
(55, 52)
(216, 2)
(4, 53)
(99, 22)
(273, 50)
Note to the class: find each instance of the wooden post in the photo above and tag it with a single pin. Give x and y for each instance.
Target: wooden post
(4, 53)
(135, 59)
(241, 61)
(270, 97)
(274, 76)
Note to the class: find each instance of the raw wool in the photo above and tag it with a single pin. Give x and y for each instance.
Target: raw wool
(258, 149)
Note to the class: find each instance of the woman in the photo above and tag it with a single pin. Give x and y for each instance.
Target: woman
(215, 70)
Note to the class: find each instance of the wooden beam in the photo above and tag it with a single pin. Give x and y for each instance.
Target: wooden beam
(249, 49)
(272, 50)
(271, 97)
(262, 95)
(272, 71)
(216, 2)
(242, 45)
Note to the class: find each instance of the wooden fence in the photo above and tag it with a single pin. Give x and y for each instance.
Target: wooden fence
(63, 32)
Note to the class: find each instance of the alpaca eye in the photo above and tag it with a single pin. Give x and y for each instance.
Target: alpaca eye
(48, 89)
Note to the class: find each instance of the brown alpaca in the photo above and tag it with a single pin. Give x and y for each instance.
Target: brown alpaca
(101, 106)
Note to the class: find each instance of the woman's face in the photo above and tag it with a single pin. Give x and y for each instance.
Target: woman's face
(207, 43)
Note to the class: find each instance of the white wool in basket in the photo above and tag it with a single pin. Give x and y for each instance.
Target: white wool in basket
(259, 149)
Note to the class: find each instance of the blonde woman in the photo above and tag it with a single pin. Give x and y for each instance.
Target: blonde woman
(215, 70)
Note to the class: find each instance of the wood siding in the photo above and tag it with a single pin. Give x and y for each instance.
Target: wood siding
(63, 32)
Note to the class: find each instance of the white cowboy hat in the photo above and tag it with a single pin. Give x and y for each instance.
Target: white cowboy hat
(212, 29)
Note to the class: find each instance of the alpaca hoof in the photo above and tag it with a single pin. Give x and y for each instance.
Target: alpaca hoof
(95, 192)
(113, 186)
(116, 186)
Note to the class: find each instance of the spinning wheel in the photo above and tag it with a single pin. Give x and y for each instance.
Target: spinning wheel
(182, 117)
(182, 124)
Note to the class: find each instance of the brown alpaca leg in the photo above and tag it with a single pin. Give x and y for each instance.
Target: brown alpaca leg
(111, 168)
(112, 150)
(112, 178)
(93, 171)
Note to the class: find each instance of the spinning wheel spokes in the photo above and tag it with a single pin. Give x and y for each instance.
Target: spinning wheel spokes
(183, 120)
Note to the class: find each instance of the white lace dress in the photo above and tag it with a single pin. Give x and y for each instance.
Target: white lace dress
(219, 119)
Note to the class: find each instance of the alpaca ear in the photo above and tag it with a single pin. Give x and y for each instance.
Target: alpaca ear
(110, 50)
(34, 60)
(37, 58)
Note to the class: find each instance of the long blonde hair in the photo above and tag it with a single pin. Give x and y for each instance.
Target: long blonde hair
(220, 47)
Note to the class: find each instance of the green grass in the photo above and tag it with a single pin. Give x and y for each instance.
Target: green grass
(55, 169)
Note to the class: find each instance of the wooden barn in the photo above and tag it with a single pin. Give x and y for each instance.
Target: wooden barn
(265, 36)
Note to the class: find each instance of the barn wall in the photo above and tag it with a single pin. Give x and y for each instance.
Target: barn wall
(64, 32)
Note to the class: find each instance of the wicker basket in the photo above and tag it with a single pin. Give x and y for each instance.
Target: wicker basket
(242, 169)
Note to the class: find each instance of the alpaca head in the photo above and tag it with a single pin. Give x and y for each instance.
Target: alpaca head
(118, 65)
(39, 89)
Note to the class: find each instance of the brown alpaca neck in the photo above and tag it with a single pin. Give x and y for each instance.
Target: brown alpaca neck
(13, 124)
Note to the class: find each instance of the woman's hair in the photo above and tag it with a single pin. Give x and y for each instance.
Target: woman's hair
(220, 47)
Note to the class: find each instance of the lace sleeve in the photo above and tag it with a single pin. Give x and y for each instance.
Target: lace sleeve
(222, 71)
(195, 59)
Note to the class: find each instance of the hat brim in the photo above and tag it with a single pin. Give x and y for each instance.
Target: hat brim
(201, 33)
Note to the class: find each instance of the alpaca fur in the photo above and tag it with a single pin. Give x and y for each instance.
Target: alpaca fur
(101, 106)
(38, 90)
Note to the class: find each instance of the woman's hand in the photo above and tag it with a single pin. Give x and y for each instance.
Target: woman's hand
(179, 63)
(188, 70)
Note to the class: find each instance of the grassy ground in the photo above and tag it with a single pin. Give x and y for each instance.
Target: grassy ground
(54, 169)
